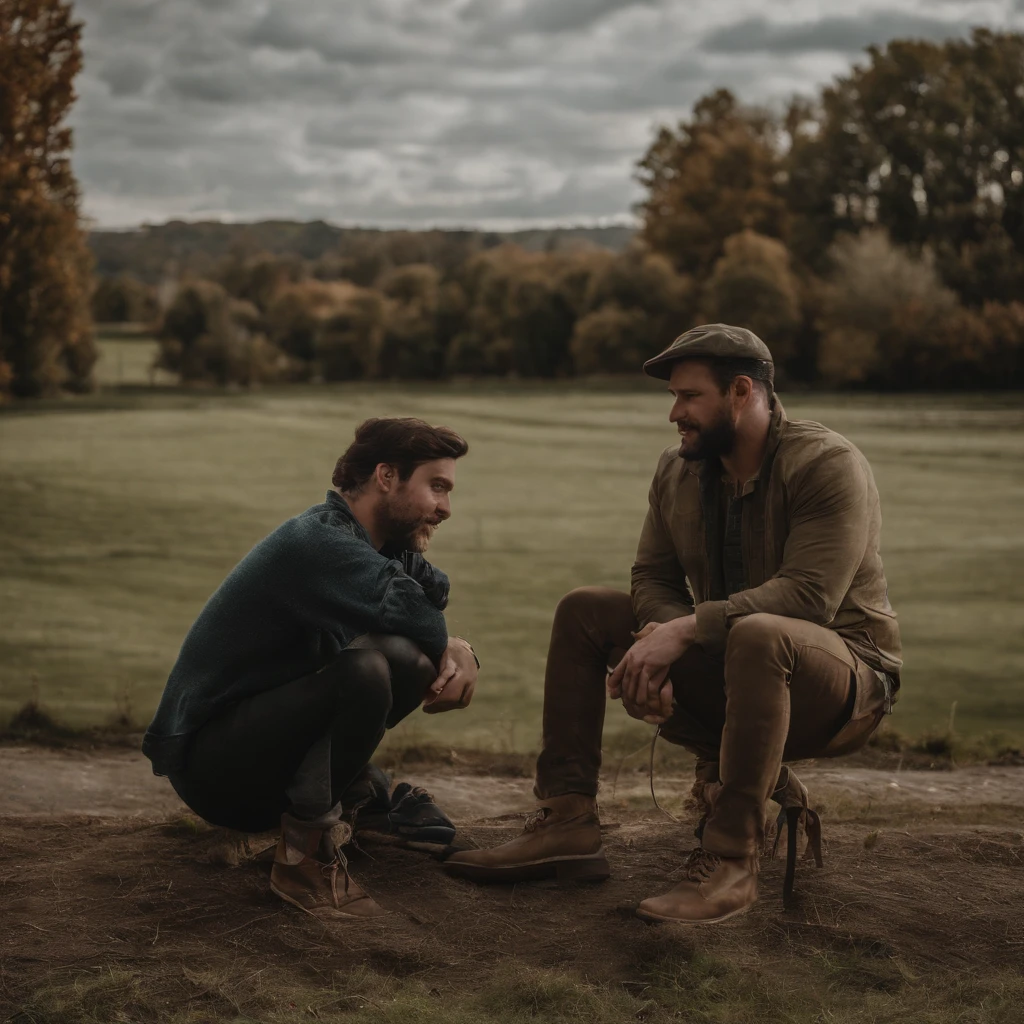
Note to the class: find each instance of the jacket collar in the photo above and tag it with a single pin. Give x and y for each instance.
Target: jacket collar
(712, 468)
(336, 503)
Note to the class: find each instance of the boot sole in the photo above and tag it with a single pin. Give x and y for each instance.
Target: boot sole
(333, 911)
(646, 915)
(588, 868)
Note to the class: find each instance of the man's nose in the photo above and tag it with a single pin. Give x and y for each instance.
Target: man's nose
(444, 508)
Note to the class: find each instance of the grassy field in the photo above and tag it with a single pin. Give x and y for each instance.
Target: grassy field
(122, 513)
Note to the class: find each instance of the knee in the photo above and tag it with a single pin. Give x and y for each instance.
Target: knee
(583, 602)
(405, 658)
(756, 634)
(367, 680)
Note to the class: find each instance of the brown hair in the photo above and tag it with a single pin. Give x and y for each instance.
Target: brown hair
(403, 442)
(726, 369)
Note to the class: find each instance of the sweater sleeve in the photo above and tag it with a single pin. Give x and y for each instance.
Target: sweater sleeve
(434, 582)
(348, 579)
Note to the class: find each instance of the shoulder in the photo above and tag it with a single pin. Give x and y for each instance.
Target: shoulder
(316, 530)
(805, 443)
(813, 459)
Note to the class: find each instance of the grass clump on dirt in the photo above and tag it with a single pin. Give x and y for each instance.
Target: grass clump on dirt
(699, 989)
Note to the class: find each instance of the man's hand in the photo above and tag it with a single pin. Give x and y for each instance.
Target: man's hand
(641, 677)
(456, 679)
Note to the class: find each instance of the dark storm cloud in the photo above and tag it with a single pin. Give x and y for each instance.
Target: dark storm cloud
(429, 111)
(839, 34)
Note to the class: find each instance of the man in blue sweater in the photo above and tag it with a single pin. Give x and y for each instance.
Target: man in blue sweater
(327, 633)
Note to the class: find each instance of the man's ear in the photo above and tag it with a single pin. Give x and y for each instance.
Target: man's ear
(385, 476)
(742, 389)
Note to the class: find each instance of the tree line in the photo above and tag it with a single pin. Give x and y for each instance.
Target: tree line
(873, 235)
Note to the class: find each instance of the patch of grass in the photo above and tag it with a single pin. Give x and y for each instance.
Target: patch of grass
(122, 514)
(35, 723)
(127, 353)
(943, 749)
(848, 988)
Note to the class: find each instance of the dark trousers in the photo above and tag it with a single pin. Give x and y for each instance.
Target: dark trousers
(298, 747)
(786, 690)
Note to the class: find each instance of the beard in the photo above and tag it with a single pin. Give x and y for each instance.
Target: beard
(712, 442)
(404, 528)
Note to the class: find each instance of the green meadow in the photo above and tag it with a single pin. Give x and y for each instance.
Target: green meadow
(121, 513)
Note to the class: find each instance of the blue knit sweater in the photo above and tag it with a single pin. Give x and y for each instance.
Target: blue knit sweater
(286, 610)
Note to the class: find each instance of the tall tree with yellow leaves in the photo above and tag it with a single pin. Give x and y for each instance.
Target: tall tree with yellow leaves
(45, 330)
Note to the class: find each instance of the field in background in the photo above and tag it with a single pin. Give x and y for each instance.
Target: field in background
(127, 352)
(121, 514)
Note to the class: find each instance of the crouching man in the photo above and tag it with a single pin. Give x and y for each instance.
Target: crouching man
(327, 633)
(758, 631)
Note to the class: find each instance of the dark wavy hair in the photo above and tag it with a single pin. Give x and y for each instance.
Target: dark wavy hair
(403, 442)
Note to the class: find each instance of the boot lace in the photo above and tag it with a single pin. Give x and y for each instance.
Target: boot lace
(536, 818)
(700, 864)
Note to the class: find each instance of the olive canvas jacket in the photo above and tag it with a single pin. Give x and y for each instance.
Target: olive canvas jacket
(810, 541)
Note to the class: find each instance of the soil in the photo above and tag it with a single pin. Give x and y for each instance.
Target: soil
(100, 865)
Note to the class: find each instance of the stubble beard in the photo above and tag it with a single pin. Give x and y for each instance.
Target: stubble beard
(404, 529)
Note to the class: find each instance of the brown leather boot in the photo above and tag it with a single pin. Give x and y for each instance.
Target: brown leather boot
(715, 889)
(311, 873)
(562, 840)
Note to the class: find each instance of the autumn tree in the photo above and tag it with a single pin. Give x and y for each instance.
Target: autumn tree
(713, 176)
(45, 331)
(926, 141)
(124, 299)
(885, 316)
(753, 285)
(410, 346)
(209, 337)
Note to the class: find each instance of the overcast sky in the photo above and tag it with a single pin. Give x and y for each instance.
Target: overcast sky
(499, 113)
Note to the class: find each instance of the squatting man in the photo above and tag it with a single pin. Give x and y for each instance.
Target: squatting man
(327, 633)
(758, 630)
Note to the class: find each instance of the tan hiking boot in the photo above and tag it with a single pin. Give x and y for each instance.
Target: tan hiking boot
(562, 840)
(311, 872)
(715, 889)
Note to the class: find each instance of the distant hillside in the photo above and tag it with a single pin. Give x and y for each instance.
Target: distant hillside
(154, 252)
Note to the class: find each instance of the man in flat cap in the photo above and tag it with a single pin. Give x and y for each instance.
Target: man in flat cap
(758, 630)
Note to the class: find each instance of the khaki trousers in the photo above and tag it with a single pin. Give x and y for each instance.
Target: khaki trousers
(786, 690)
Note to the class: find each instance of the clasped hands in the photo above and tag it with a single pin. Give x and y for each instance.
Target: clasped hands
(641, 677)
(456, 679)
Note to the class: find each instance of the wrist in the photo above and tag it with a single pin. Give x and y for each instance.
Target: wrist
(684, 628)
(463, 642)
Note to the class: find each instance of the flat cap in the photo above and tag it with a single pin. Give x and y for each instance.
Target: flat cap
(709, 341)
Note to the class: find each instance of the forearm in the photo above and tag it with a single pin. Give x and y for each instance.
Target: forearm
(658, 602)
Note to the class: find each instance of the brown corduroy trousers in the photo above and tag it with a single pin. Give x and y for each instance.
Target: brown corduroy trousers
(787, 689)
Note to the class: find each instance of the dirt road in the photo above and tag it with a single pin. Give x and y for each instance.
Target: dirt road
(115, 784)
(104, 881)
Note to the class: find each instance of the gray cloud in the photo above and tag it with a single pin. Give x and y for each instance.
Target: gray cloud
(349, 39)
(840, 34)
(567, 15)
(422, 112)
(126, 75)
